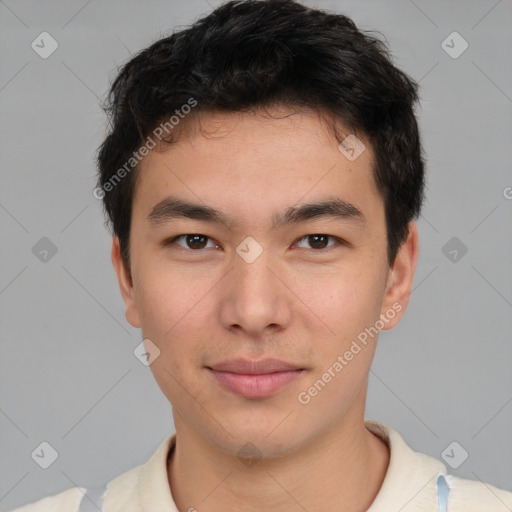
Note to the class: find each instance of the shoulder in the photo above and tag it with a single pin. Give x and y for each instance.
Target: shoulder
(65, 501)
(119, 491)
(412, 482)
(476, 496)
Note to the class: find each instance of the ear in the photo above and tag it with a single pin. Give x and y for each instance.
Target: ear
(400, 279)
(125, 284)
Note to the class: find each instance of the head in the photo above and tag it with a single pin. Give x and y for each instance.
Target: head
(282, 140)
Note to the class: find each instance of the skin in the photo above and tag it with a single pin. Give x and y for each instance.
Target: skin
(294, 302)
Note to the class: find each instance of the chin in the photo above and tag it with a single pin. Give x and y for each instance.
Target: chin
(258, 439)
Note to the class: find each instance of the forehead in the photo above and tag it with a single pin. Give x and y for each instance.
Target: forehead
(254, 162)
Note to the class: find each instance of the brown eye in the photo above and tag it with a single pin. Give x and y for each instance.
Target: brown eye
(192, 241)
(319, 241)
(196, 241)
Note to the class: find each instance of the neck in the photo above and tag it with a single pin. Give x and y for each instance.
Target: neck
(343, 469)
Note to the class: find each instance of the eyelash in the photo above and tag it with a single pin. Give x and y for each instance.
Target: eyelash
(339, 241)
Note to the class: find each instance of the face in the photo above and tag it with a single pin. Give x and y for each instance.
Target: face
(253, 273)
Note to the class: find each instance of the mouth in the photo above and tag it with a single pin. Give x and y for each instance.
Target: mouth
(254, 379)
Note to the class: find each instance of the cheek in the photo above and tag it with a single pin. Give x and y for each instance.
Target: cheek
(346, 349)
(346, 303)
(172, 317)
(176, 315)
(164, 300)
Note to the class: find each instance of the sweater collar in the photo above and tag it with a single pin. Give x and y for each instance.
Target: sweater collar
(409, 484)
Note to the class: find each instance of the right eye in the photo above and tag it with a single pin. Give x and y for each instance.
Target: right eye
(193, 241)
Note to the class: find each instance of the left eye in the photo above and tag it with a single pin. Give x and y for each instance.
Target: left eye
(319, 241)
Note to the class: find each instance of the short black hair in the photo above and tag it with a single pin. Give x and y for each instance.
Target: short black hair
(252, 54)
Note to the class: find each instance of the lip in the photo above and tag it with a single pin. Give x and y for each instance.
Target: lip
(248, 367)
(254, 379)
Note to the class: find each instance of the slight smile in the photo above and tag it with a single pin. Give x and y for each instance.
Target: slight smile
(254, 379)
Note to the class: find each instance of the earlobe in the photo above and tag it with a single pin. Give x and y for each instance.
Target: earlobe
(125, 284)
(400, 279)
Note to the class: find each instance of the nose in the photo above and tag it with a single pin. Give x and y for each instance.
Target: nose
(255, 298)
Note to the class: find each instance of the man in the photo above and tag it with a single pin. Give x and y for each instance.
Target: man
(262, 175)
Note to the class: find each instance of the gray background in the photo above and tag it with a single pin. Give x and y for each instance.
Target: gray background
(67, 369)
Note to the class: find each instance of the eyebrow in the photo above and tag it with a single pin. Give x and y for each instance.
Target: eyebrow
(173, 208)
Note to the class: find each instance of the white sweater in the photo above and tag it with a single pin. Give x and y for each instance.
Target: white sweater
(410, 485)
